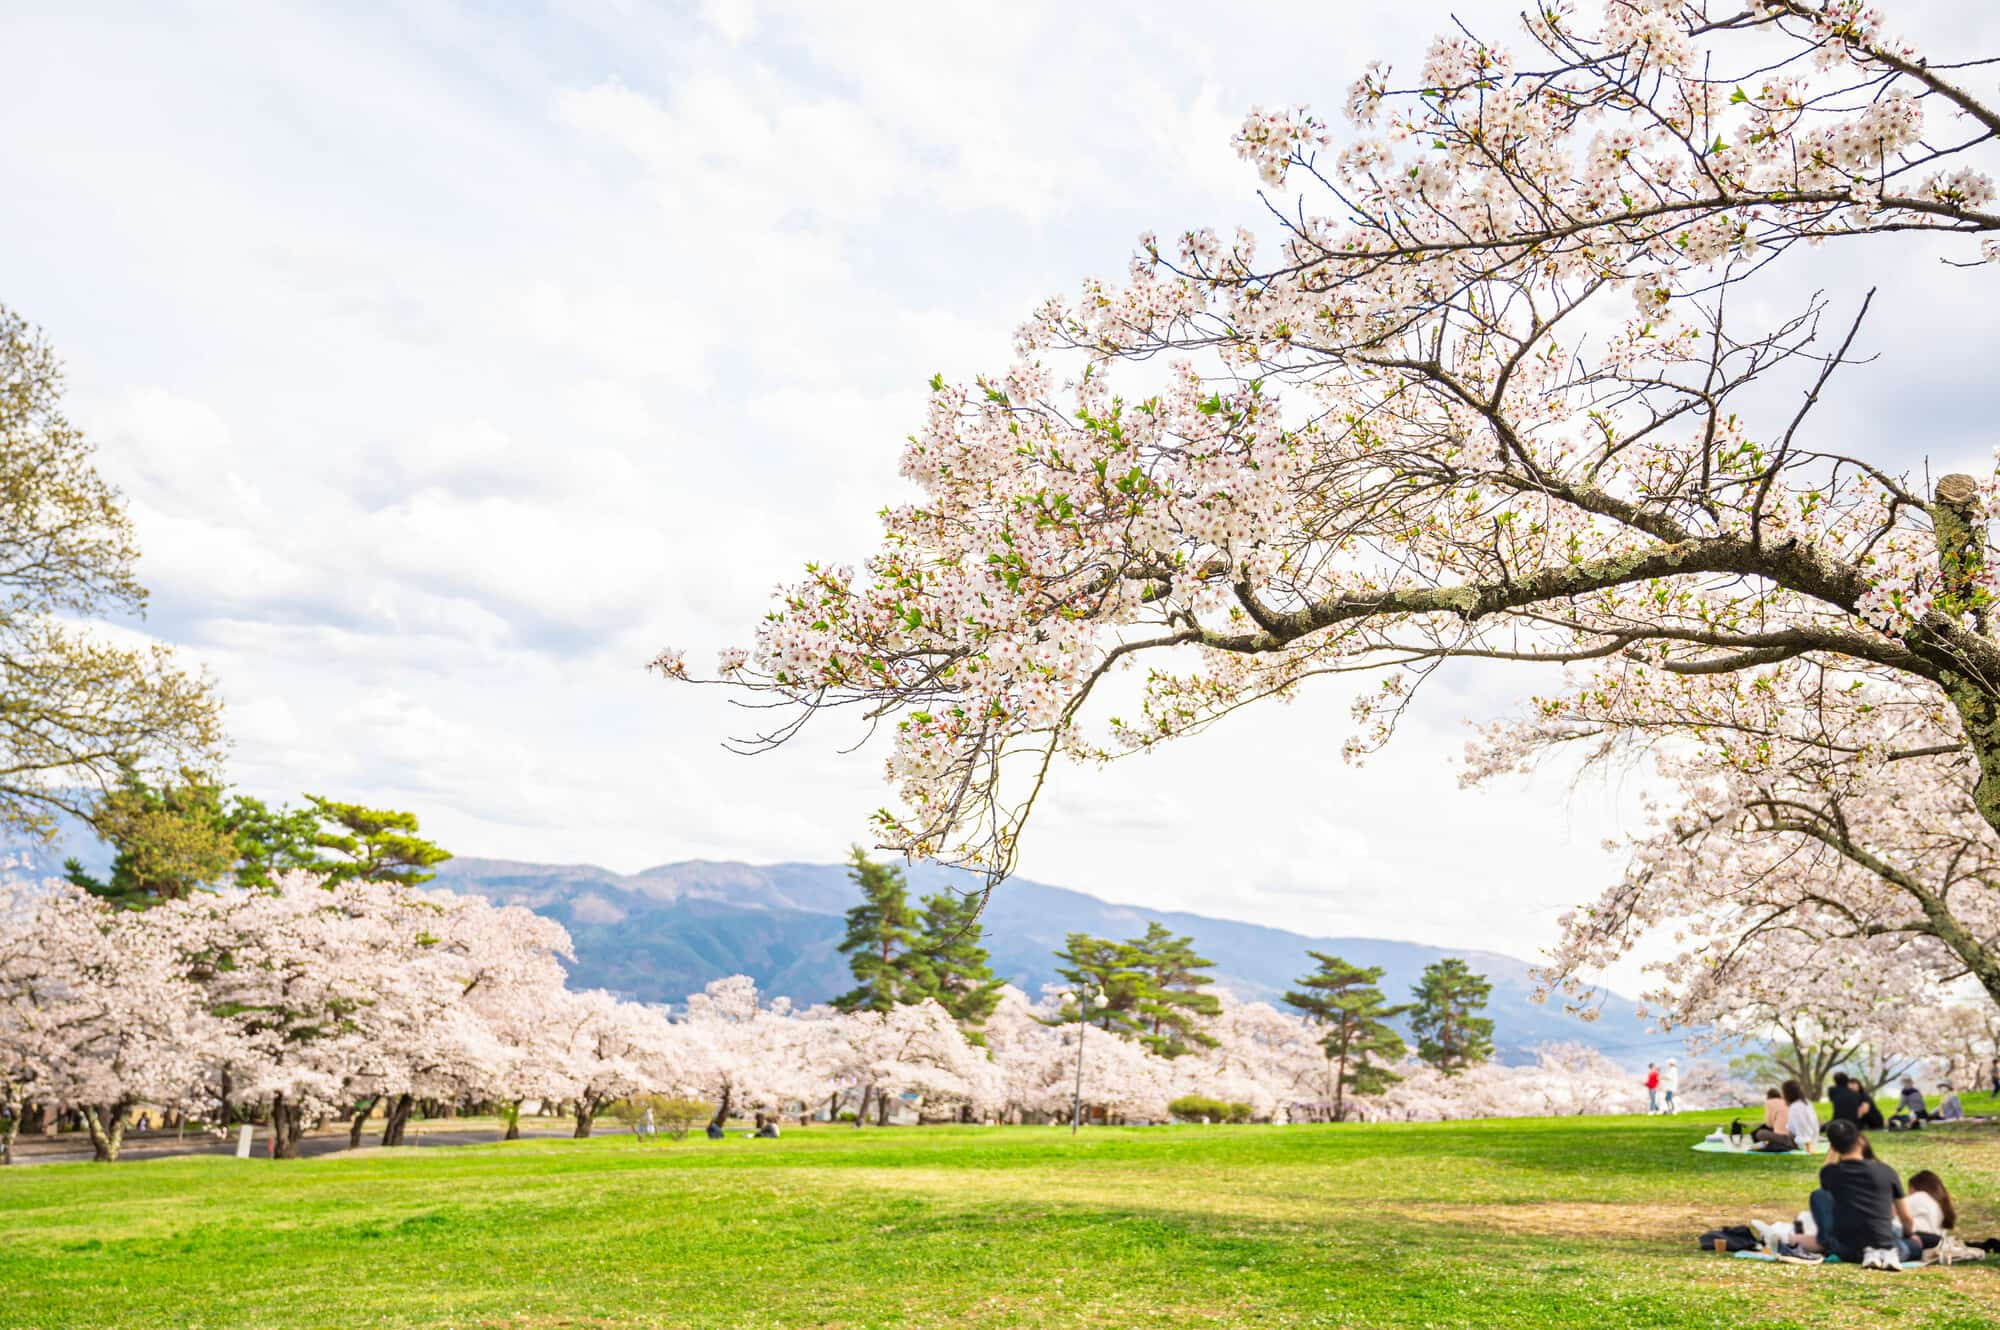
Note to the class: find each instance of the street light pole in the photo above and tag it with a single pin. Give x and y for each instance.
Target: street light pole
(1082, 1024)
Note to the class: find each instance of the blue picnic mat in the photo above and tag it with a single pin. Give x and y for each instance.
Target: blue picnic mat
(1708, 1147)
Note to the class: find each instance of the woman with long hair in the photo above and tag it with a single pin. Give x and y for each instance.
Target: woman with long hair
(1932, 1214)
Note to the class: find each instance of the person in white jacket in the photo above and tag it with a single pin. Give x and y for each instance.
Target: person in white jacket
(1670, 1084)
(1801, 1119)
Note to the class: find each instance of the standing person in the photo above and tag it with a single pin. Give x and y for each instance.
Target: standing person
(1993, 1074)
(1670, 1084)
(1858, 1205)
(1652, 1087)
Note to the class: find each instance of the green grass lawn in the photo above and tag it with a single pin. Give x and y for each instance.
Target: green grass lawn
(1539, 1223)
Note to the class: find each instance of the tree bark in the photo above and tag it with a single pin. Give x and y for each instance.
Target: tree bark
(586, 1113)
(721, 1118)
(362, 1111)
(513, 1116)
(14, 1115)
(288, 1123)
(397, 1119)
(107, 1130)
(861, 1109)
(881, 1109)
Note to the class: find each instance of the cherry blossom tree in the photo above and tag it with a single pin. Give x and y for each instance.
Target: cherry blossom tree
(95, 1012)
(757, 1056)
(1263, 1057)
(615, 1049)
(1487, 397)
(320, 986)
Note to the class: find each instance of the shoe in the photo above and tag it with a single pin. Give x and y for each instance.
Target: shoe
(1796, 1255)
(1881, 1258)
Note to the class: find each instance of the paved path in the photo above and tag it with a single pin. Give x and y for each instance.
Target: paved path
(74, 1147)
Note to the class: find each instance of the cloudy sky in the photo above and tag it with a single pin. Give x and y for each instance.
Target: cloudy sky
(455, 361)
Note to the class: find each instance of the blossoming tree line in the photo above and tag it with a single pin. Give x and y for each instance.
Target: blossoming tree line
(1518, 366)
(314, 997)
(241, 961)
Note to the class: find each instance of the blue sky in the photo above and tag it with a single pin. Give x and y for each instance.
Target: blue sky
(455, 361)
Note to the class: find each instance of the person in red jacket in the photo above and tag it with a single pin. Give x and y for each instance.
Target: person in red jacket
(1652, 1087)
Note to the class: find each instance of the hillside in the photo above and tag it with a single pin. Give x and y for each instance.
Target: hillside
(660, 934)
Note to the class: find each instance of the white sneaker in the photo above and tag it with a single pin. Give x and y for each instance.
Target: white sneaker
(1881, 1258)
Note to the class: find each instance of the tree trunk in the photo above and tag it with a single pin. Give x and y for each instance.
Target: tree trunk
(512, 1114)
(362, 1112)
(861, 1109)
(833, 1107)
(107, 1131)
(288, 1123)
(397, 1118)
(586, 1113)
(721, 1118)
(14, 1115)
(881, 1109)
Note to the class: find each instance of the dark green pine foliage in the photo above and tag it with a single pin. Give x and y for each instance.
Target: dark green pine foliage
(1451, 1034)
(880, 934)
(1111, 970)
(373, 844)
(1172, 1003)
(1344, 1002)
(946, 962)
(271, 841)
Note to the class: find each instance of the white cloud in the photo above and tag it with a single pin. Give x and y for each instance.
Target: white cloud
(499, 349)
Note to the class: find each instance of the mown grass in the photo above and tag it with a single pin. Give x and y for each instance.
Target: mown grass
(1535, 1223)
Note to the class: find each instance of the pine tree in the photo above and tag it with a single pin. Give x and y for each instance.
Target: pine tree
(946, 962)
(1110, 969)
(170, 841)
(1451, 1034)
(373, 844)
(879, 935)
(1343, 1001)
(1171, 1000)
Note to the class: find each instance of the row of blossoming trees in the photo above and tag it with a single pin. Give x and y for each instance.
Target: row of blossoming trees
(315, 1000)
(1524, 363)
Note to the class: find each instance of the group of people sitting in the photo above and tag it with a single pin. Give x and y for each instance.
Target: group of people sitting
(767, 1129)
(1862, 1212)
(1791, 1124)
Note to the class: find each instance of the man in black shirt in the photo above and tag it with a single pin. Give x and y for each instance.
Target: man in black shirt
(1859, 1202)
(1846, 1100)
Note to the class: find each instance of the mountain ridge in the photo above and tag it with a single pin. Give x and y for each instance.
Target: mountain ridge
(662, 932)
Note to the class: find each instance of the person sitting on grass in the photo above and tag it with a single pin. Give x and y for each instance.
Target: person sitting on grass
(1798, 1125)
(767, 1128)
(1931, 1211)
(1868, 1116)
(1858, 1205)
(1911, 1110)
(1949, 1109)
(1845, 1099)
(715, 1131)
(1775, 1109)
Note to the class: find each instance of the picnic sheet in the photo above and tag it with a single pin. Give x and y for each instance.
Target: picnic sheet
(1831, 1260)
(1708, 1147)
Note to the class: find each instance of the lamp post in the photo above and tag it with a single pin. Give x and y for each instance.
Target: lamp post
(1082, 1023)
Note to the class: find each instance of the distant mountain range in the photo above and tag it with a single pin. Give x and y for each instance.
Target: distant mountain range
(658, 935)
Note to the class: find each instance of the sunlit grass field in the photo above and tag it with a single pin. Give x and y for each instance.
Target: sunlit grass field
(1538, 1223)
